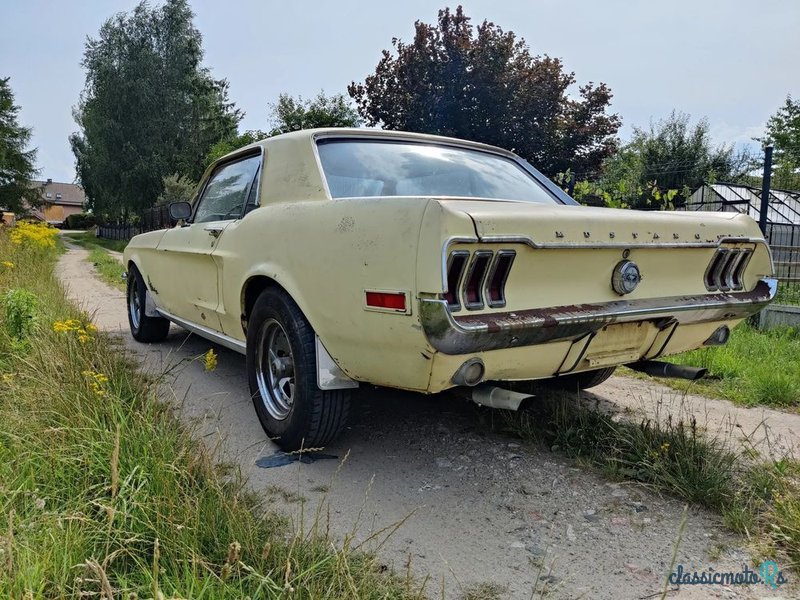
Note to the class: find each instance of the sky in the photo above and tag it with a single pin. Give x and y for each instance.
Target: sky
(731, 61)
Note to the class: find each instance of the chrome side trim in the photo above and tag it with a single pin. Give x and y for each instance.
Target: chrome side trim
(329, 375)
(205, 332)
(478, 333)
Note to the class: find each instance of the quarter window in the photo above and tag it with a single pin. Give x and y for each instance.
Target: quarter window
(227, 190)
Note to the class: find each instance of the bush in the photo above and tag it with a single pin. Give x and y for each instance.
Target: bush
(20, 312)
(80, 221)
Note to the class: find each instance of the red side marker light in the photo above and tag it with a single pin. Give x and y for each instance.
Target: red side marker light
(387, 300)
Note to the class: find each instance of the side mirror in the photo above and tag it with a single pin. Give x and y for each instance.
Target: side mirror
(180, 211)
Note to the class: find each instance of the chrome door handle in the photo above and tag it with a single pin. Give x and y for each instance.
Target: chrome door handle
(213, 231)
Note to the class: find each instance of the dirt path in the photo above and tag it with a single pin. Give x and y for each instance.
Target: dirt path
(772, 432)
(478, 507)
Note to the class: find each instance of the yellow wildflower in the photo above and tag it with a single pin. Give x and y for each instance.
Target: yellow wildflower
(97, 382)
(7, 378)
(210, 360)
(68, 325)
(8, 264)
(83, 331)
(33, 235)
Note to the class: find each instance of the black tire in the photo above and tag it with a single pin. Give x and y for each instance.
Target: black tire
(580, 381)
(143, 328)
(306, 416)
(569, 383)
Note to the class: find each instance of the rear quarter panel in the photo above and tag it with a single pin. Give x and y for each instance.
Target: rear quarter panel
(325, 254)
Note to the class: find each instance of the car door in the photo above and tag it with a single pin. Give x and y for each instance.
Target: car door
(187, 281)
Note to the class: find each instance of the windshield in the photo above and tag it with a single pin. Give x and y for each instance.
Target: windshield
(359, 168)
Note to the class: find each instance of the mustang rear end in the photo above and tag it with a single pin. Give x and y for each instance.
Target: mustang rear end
(539, 291)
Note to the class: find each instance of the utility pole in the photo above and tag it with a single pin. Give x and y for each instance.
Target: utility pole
(765, 181)
(571, 185)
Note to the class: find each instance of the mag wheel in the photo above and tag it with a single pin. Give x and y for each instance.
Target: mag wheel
(143, 328)
(282, 374)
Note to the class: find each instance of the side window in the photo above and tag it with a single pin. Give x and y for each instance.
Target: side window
(226, 191)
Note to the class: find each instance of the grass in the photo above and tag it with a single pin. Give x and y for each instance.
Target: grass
(788, 293)
(754, 367)
(87, 239)
(756, 497)
(108, 268)
(104, 494)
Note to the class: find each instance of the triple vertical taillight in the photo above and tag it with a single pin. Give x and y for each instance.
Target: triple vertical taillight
(725, 272)
(477, 279)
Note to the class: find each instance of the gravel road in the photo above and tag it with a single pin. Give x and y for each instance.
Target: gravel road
(474, 507)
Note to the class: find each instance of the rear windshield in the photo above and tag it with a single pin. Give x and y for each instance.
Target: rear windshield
(361, 168)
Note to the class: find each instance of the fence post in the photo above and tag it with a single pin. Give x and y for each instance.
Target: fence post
(765, 181)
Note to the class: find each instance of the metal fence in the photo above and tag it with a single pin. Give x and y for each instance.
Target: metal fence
(156, 217)
(118, 232)
(787, 263)
(150, 219)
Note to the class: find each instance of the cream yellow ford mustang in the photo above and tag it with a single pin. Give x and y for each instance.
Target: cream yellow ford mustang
(334, 257)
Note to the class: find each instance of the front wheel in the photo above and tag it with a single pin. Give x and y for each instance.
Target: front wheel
(282, 374)
(143, 328)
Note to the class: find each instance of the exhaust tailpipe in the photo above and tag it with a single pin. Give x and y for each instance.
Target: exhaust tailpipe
(657, 368)
(495, 397)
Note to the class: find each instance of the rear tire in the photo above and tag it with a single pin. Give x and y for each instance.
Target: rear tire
(581, 381)
(143, 328)
(282, 374)
(569, 383)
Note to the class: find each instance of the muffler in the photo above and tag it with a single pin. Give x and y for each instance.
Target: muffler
(657, 368)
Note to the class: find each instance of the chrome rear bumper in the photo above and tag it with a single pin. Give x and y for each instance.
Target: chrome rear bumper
(478, 333)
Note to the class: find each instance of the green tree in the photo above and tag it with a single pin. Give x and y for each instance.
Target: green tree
(148, 109)
(293, 114)
(783, 131)
(223, 147)
(177, 188)
(483, 84)
(670, 155)
(17, 161)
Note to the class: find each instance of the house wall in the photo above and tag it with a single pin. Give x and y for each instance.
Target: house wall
(55, 213)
